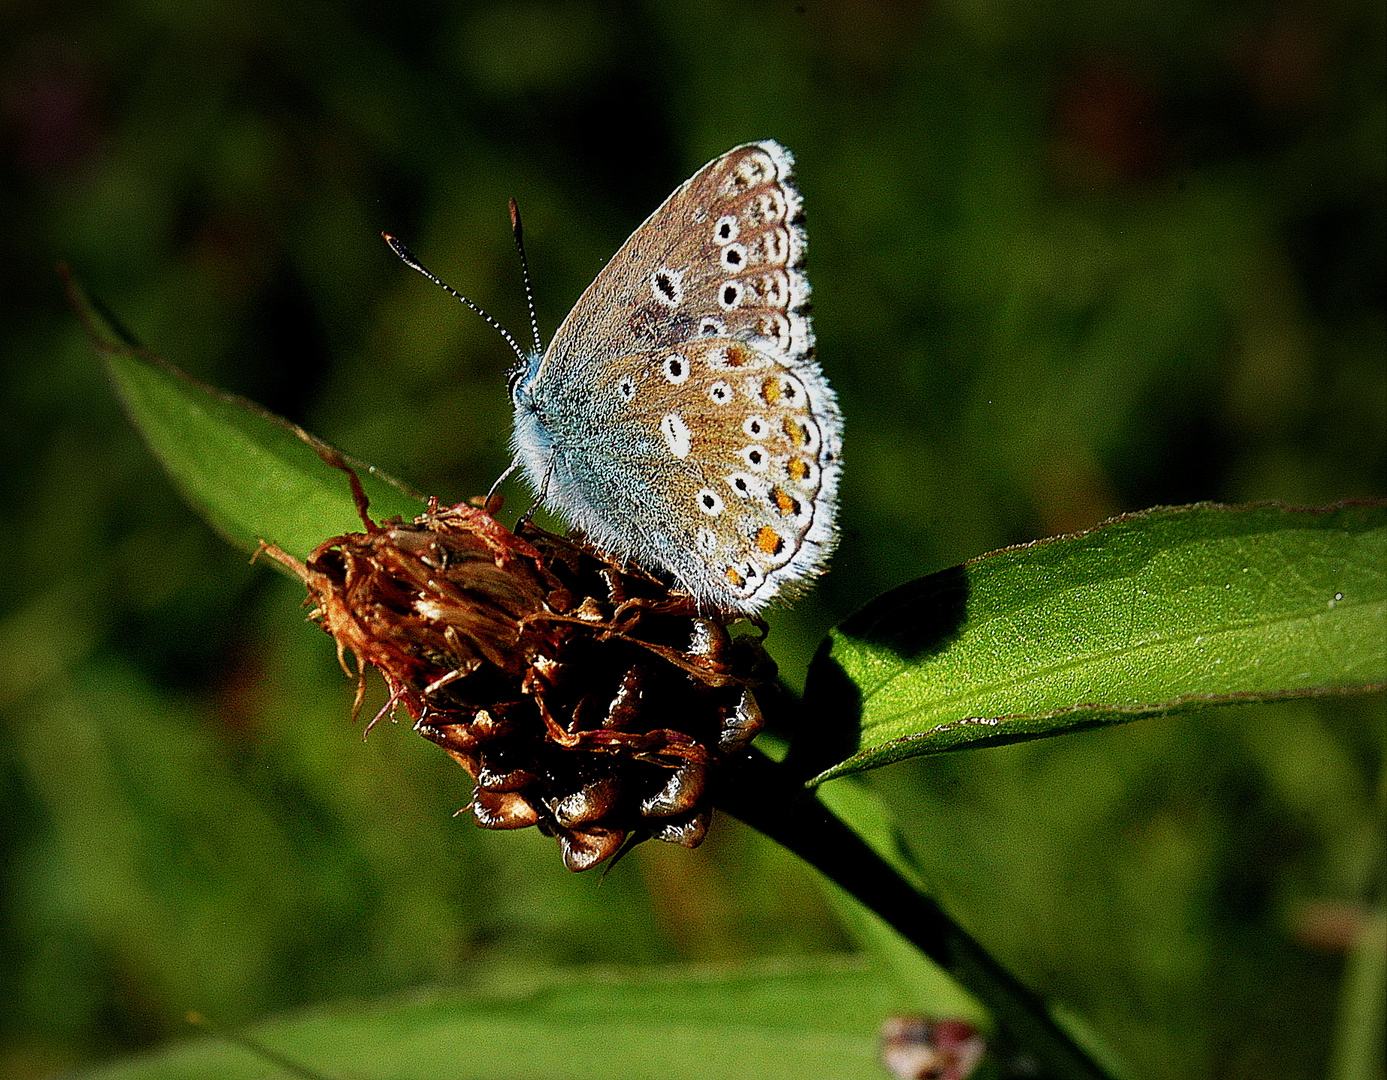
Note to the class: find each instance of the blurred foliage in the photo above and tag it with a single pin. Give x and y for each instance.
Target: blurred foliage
(1069, 260)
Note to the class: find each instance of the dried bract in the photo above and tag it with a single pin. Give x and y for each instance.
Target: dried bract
(584, 698)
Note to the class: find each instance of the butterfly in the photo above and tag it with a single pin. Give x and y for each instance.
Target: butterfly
(678, 417)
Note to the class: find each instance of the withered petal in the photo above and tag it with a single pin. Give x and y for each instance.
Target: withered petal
(682, 791)
(591, 802)
(583, 849)
(685, 831)
(503, 810)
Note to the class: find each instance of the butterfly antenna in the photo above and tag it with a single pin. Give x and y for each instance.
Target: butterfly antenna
(408, 258)
(518, 231)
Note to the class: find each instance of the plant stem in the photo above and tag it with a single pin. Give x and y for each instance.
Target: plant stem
(767, 797)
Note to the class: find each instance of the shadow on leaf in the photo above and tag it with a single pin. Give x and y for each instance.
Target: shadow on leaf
(914, 621)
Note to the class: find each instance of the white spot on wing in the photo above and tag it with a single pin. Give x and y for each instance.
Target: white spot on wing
(667, 286)
(676, 369)
(746, 486)
(677, 435)
(756, 458)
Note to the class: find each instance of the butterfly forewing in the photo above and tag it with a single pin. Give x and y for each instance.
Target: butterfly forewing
(720, 257)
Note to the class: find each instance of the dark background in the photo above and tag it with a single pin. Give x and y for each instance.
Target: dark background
(1069, 260)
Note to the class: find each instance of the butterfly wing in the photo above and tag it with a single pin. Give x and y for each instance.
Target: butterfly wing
(723, 256)
(742, 451)
(678, 417)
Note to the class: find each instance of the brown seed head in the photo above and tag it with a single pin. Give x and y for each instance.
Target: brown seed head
(584, 698)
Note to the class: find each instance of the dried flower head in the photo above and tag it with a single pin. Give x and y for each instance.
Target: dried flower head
(584, 698)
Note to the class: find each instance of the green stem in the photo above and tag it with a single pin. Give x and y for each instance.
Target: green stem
(767, 797)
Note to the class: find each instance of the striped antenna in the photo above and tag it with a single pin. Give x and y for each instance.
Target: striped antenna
(408, 258)
(525, 273)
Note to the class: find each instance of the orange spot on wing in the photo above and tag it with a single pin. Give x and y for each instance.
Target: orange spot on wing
(784, 501)
(735, 355)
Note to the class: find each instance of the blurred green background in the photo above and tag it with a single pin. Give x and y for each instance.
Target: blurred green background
(1069, 260)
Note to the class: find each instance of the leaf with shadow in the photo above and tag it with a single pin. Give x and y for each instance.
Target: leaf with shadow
(1151, 613)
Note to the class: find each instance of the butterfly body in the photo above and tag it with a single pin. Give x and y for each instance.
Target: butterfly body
(678, 417)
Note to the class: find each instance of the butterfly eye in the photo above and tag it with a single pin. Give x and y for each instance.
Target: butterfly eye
(772, 290)
(752, 171)
(754, 426)
(711, 327)
(744, 577)
(721, 393)
(744, 485)
(803, 472)
(802, 433)
(768, 540)
(775, 328)
(784, 504)
(725, 231)
(769, 206)
(734, 256)
(730, 296)
(520, 376)
(781, 390)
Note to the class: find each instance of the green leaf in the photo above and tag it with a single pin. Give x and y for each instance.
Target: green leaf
(779, 1020)
(252, 474)
(1150, 613)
